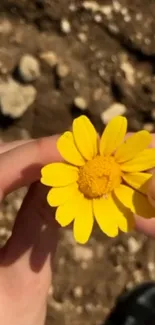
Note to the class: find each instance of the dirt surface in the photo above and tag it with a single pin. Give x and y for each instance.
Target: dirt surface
(103, 53)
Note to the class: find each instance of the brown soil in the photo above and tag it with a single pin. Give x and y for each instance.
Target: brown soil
(110, 57)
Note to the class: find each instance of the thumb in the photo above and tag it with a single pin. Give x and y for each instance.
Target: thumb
(21, 165)
(147, 226)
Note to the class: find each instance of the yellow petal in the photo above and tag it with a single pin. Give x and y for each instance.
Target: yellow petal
(106, 214)
(135, 201)
(143, 161)
(139, 181)
(126, 222)
(133, 146)
(58, 174)
(59, 195)
(85, 137)
(84, 220)
(113, 135)
(68, 150)
(66, 213)
(125, 218)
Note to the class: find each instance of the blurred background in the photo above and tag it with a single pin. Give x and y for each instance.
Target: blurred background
(60, 59)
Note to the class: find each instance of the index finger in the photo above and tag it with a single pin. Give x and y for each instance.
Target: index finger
(21, 166)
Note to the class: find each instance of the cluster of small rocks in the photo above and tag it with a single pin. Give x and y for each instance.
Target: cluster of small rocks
(18, 94)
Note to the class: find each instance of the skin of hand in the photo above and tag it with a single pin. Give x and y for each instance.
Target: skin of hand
(26, 261)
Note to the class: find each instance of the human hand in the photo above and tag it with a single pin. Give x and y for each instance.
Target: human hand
(147, 226)
(27, 259)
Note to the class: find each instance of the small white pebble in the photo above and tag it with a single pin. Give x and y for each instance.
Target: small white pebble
(98, 94)
(81, 103)
(102, 72)
(119, 268)
(151, 266)
(127, 18)
(62, 70)
(61, 261)
(129, 71)
(72, 7)
(100, 251)
(147, 41)
(124, 11)
(82, 37)
(106, 10)
(113, 28)
(56, 305)
(78, 292)
(65, 26)
(114, 110)
(50, 58)
(133, 245)
(29, 68)
(9, 217)
(116, 6)
(120, 249)
(68, 234)
(98, 18)
(139, 16)
(4, 232)
(81, 253)
(139, 36)
(129, 285)
(91, 5)
(138, 276)
(149, 127)
(50, 291)
(17, 203)
(5, 26)
(89, 307)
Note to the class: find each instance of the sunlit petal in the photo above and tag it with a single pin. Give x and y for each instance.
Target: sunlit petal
(66, 213)
(85, 137)
(84, 220)
(133, 145)
(68, 150)
(59, 195)
(143, 161)
(113, 135)
(58, 174)
(137, 202)
(138, 181)
(106, 214)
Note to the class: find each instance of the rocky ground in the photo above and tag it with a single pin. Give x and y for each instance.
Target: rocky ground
(59, 59)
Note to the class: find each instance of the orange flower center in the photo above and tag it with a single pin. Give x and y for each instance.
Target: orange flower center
(99, 176)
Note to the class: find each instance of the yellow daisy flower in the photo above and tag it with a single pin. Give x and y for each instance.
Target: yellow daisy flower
(100, 180)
